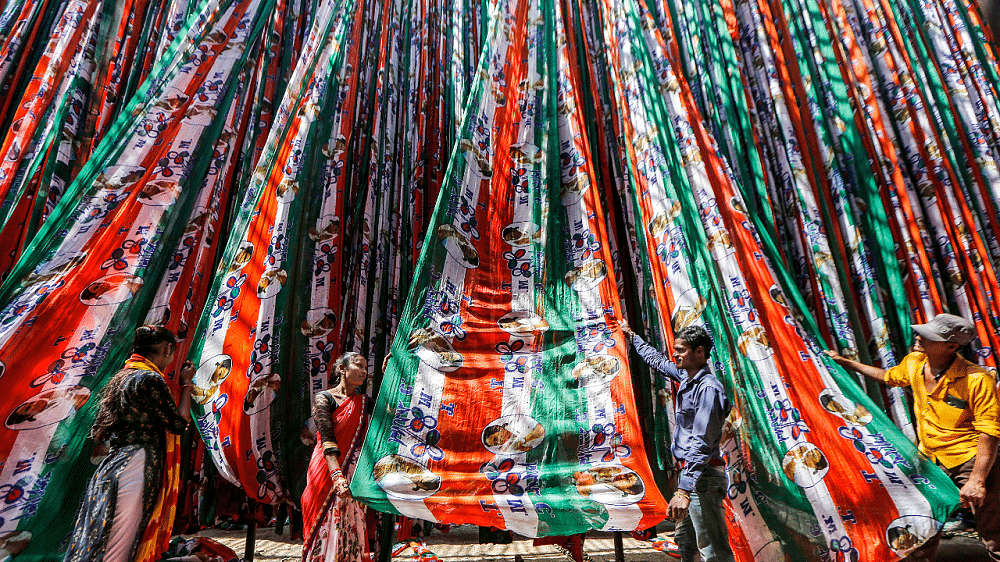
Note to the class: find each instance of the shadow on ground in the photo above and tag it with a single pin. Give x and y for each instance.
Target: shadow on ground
(461, 544)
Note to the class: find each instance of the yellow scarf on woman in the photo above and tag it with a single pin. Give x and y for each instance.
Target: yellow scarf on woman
(156, 536)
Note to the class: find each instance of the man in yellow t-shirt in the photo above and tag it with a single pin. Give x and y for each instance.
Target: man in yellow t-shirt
(957, 410)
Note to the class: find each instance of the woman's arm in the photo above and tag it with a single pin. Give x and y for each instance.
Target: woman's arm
(323, 415)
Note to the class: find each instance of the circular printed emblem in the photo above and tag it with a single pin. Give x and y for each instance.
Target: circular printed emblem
(839, 405)
(242, 257)
(271, 282)
(261, 393)
(118, 178)
(805, 465)
(586, 276)
(287, 190)
(754, 345)
(596, 370)
(573, 189)
(404, 478)
(209, 377)
(520, 233)
(908, 532)
(661, 221)
(720, 243)
(318, 323)
(326, 229)
(111, 289)
(434, 350)
(60, 265)
(458, 246)
(513, 434)
(13, 542)
(610, 485)
(47, 407)
(687, 309)
(159, 192)
(522, 323)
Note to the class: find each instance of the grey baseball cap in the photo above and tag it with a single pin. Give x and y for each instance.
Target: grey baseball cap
(947, 327)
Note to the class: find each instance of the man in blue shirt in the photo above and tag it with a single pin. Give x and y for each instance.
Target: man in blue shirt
(702, 407)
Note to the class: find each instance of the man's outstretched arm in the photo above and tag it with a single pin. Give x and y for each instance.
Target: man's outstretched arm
(866, 370)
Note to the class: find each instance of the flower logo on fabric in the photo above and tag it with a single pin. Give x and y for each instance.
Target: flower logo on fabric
(788, 417)
(152, 129)
(228, 293)
(606, 436)
(324, 257)
(428, 445)
(586, 242)
(180, 256)
(119, 257)
(667, 251)
(78, 354)
(516, 174)
(261, 349)
(12, 493)
(320, 364)
(451, 325)
(266, 468)
(842, 550)
(469, 226)
(15, 311)
(571, 162)
(507, 351)
(875, 455)
(503, 479)
(603, 335)
(54, 374)
(742, 306)
(737, 484)
(173, 158)
(517, 267)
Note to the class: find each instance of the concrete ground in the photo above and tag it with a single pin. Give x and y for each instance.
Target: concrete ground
(461, 544)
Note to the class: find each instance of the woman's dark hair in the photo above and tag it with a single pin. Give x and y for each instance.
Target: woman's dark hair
(342, 361)
(148, 337)
(109, 409)
(696, 337)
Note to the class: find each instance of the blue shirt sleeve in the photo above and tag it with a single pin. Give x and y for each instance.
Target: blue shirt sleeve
(713, 407)
(656, 360)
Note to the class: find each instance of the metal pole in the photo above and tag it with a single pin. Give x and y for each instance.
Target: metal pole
(279, 519)
(251, 540)
(619, 547)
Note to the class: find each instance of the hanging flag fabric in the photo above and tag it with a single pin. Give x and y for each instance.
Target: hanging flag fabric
(850, 478)
(513, 305)
(241, 354)
(82, 282)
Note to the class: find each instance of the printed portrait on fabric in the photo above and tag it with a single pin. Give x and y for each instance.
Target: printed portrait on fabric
(47, 407)
(405, 478)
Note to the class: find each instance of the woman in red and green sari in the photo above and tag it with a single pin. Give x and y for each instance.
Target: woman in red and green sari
(334, 524)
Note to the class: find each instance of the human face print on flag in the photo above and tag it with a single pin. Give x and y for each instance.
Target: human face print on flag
(793, 411)
(513, 304)
(243, 360)
(88, 278)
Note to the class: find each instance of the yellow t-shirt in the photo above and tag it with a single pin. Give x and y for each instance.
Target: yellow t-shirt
(949, 420)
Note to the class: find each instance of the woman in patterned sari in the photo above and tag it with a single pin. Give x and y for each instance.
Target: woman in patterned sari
(333, 523)
(136, 411)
